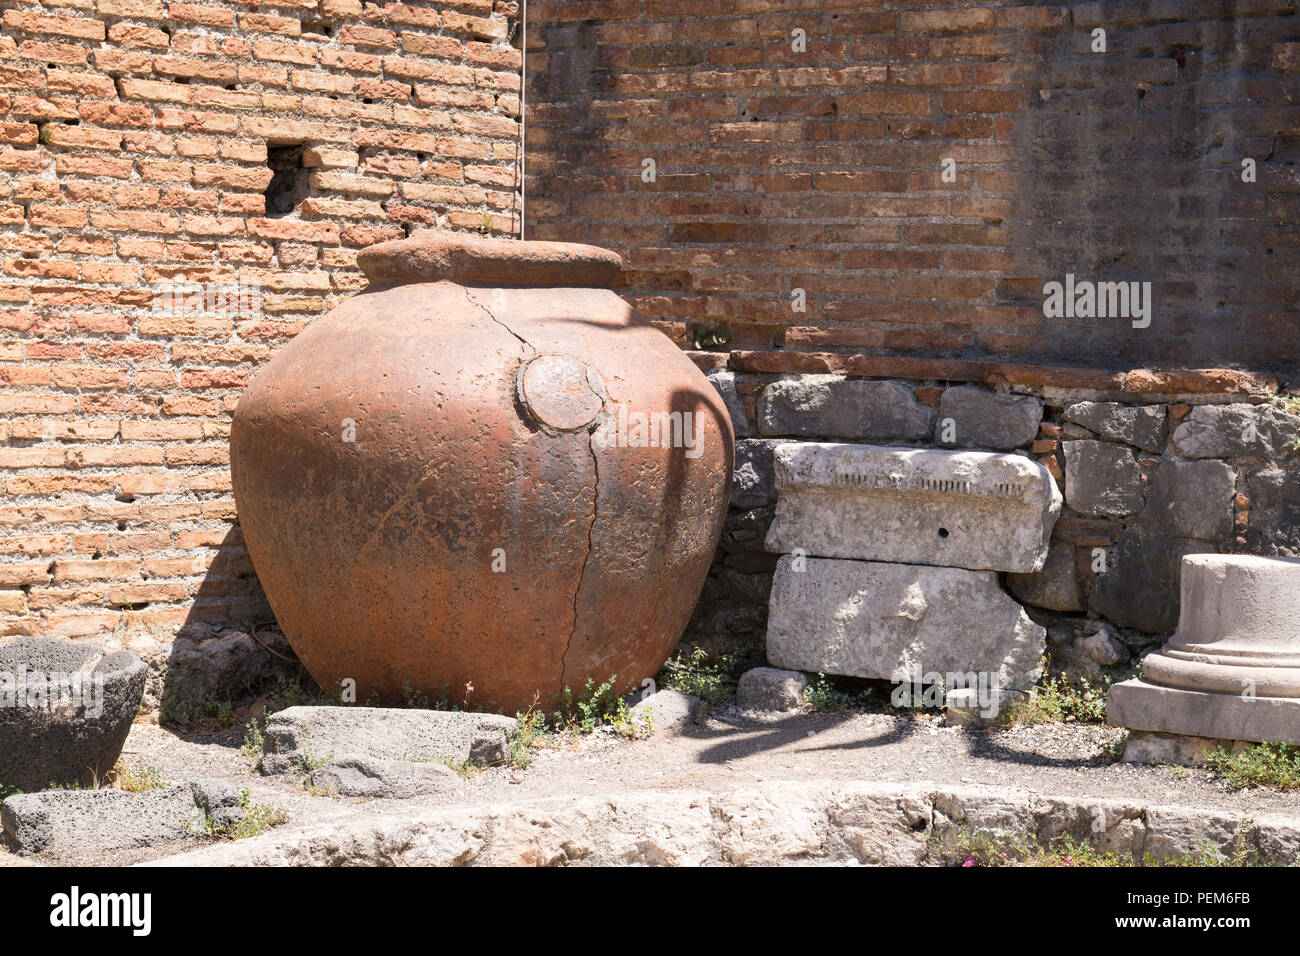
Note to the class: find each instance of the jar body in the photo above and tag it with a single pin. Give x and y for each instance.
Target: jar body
(446, 485)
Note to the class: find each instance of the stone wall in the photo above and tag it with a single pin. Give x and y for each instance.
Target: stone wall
(1149, 472)
(778, 169)
(146, 142)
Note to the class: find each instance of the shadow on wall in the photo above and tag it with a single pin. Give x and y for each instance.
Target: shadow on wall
(1129, 169)
(226, 651)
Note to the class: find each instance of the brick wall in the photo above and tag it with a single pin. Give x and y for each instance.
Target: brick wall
(821, 170)
(134, 139)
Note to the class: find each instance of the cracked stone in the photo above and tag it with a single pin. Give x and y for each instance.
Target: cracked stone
(1144, 426)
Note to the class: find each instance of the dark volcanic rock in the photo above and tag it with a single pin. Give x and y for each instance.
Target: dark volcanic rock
(65, 711)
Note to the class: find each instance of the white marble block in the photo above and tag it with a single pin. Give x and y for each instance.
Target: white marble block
(964, 509)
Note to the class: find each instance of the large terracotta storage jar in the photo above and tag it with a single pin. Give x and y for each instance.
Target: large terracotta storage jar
(486, 470)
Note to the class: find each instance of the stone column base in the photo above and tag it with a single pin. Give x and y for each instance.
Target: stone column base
(1139, 705)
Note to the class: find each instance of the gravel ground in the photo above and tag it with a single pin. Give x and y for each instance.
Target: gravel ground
(732, 748)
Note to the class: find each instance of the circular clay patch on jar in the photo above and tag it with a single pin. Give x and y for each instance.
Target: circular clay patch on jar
(561, 392)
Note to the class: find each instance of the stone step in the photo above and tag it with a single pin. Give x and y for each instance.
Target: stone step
(964, 509)
(895, 621)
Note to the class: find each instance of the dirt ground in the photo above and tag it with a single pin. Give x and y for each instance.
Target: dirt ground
(730, 748)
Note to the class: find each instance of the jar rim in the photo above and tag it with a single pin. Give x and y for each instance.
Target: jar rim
(432, 255)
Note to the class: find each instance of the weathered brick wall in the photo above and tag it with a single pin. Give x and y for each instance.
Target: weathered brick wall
(821, 170)
(134, 139)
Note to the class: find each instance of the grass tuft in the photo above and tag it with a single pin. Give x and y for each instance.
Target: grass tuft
(1263, 765)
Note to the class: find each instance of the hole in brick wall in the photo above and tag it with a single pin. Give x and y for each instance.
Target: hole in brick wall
(288, 185)
(321, 28)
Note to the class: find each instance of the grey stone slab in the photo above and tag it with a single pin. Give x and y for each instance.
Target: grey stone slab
(770, 688)
(1237, 431)
(1191, 499)
(877, 620)
(1102, 479)
(1140, 705)
(87, 822)
(302, 738)
(1143, 426)
(984, 419)
(971, 509)
(1055, 586)
(828, 406)
(753, 482)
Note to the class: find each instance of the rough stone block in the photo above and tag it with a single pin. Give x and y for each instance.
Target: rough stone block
(884, 621)
(745, 531)
(768, 688)
(221, 667)
(984, 419)
(1178, 749)
(1102, 479)
(65, 710)
(666, 711)
(1055, 586)
(753, 483)
(1084, 649)
(970, 509)
(1274, 526)
(1144, 426)
(724, 381)
(357, 775)
(1191, 499)
(962, 708)
(1237, 431)
(218, 800)
(299, 737)
(1140, 586)
(87, 822)
(828, 406)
